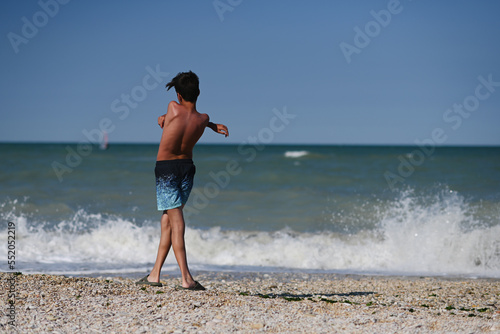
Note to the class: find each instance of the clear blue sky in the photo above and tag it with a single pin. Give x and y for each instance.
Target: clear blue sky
(75, 63)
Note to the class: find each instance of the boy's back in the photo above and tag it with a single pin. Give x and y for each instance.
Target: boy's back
(182, 128)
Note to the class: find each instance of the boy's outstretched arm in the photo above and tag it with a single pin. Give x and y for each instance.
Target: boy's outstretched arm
(219, 128)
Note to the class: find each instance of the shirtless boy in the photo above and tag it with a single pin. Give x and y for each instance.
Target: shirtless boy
(182, 127)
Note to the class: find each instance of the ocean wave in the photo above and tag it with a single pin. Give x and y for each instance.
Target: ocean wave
(295, 154)
(438, 238)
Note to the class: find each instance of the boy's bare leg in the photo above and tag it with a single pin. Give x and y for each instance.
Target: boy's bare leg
(163, 247)
(176, 222)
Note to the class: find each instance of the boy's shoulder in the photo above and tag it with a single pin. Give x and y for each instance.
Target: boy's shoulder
(175, 108)
(173, 105)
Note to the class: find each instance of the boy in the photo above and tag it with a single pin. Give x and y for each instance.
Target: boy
(182, 127)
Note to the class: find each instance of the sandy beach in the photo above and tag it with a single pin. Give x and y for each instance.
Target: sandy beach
(251, 302)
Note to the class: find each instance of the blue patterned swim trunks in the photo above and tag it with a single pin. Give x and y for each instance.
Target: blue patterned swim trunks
(174, 181)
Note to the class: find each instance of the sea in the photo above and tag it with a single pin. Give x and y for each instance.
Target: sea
(76, 209)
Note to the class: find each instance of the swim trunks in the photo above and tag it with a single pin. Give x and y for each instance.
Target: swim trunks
(174, 181)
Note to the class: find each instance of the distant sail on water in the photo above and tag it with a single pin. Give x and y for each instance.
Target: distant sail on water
(104, 142)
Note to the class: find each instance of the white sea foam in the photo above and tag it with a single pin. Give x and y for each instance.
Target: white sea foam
(295, 154)
(441, 238)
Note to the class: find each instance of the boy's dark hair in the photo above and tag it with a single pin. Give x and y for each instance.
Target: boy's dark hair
(187, 84)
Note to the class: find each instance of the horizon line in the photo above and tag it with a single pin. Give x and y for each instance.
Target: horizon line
(237, 144)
